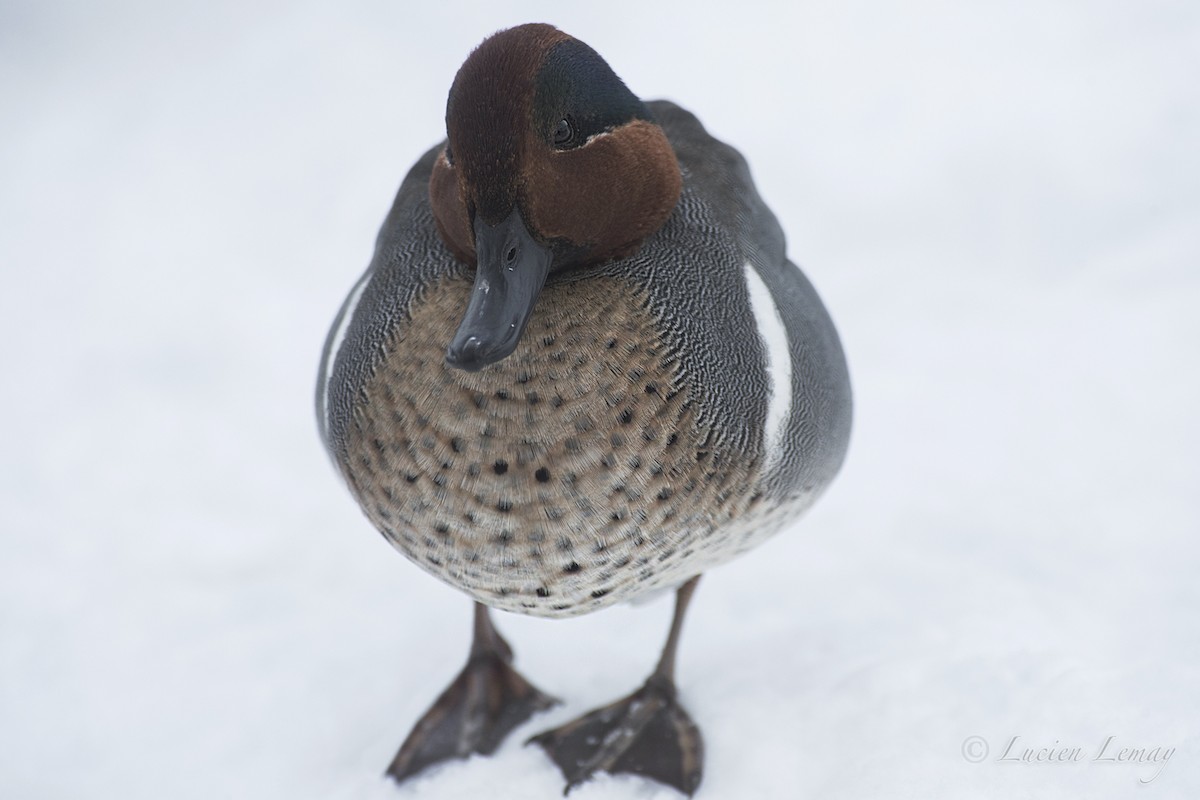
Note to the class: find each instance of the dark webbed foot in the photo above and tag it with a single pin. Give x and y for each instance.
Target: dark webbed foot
(482, 706)
(647, 733)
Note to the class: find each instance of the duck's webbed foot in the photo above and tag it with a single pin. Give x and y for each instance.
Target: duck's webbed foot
(476, 712)
(647, 733)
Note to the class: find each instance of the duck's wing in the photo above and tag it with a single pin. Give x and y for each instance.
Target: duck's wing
(409, 256)
(802, 436)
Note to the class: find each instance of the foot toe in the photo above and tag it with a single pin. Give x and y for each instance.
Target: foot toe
(647, 733)
(473, 715)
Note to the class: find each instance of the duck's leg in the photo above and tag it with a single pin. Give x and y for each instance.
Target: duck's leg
(484, 703)
(647, 733)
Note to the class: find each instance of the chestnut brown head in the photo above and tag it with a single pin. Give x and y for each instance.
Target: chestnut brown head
(550, 163)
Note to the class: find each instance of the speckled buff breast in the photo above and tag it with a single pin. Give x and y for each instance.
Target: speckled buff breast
(574, 474)
(579, 368)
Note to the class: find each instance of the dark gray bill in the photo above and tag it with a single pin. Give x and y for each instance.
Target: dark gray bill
(511, 268)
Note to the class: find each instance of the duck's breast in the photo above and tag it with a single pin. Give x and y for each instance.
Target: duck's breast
(577, 472)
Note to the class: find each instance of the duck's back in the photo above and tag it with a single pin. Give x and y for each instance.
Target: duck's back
(657, 417)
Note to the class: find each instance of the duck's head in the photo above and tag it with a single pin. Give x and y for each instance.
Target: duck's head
(550, 163)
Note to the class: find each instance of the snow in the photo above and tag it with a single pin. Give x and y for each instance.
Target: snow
(999, 204)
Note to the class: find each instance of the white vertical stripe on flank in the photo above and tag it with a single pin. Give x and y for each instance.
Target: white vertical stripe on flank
(341, 325)
(779, 363)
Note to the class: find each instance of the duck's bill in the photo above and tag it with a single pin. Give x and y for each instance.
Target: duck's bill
(511, 269)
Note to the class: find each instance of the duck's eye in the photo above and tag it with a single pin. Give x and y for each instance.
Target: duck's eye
(563, 133)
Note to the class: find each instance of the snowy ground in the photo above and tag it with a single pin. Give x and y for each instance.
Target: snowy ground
(1001, 208)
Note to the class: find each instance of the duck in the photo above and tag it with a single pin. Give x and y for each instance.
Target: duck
(579, 370)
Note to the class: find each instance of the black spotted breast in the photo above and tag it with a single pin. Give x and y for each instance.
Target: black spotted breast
(578, 475)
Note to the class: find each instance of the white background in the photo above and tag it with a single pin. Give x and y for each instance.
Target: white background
(1000, 204)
